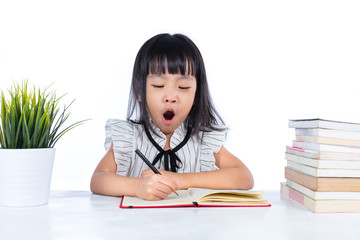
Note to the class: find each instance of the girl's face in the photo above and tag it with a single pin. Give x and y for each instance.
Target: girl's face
(169, 99)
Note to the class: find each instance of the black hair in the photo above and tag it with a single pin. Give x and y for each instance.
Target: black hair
(175, 54)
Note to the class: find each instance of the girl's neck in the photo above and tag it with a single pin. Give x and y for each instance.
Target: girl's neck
(168, 138)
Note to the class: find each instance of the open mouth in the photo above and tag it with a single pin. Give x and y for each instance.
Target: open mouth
(169, 115)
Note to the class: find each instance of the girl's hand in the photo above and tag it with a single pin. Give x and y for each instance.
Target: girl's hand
(148, 172)
(173, 176)
(154, 186)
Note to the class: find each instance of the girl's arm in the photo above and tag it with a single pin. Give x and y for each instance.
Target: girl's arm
(232, 174)
(105, 181)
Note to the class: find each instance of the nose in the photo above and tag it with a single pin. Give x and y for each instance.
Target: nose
(170, 97)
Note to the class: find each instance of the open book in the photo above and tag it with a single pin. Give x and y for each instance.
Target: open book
(200, 197)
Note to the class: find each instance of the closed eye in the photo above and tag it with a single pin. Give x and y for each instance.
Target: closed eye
(184, 88)
(158, 86)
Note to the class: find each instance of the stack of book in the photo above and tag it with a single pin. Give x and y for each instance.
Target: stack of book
(323, 165)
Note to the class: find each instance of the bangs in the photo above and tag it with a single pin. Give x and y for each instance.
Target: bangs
(170, 55)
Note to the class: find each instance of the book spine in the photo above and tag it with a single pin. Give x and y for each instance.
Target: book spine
(303, 152)
(297, 197)
(316, 195)
(302, 160)
(332, 164)
(321, 206)
(292, 194)
(327, 133)
(303, 179)
(325, 147)
(305, 123)
(329, 141)
(302, 168)
(324, 172)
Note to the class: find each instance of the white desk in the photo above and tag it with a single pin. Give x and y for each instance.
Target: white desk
(82, 215)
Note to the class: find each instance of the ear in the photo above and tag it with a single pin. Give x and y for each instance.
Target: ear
(139, 97)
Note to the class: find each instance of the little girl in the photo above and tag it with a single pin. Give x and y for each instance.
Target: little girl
(172, 121)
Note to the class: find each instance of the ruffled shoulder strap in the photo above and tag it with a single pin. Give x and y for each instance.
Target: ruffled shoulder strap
(212, 141)
(121, 134)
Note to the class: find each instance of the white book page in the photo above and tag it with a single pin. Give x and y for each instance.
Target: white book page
(198, 193)
(183, 198)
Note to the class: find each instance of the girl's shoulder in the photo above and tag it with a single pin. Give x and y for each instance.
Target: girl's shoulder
(122, 126)
(214, 138)
(121, 134)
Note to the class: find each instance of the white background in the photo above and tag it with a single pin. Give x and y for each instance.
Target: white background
(267, 62)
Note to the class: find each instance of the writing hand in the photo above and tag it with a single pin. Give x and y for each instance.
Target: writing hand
(155, 187)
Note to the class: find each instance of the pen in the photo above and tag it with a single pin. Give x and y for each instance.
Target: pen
(149, 164)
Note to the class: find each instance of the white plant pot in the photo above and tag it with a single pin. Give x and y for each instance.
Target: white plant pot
(25, 176)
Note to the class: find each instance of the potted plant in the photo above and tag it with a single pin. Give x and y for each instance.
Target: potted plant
(31, 124)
